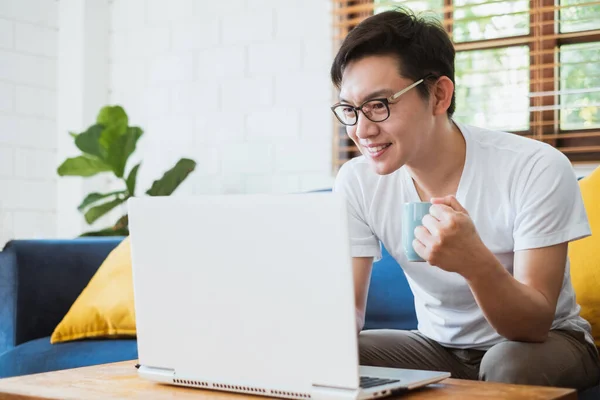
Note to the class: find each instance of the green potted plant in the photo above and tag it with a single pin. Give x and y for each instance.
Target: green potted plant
(106, 147)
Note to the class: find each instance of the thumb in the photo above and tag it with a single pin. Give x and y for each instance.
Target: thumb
(451, 202)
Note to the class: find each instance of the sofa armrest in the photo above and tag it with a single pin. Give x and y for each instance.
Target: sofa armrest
(40, 280)
(8, 300)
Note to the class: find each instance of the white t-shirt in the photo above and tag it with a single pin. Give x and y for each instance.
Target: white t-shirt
(520, 194)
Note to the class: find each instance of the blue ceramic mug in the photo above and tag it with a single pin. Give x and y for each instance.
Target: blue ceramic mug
(412, 216)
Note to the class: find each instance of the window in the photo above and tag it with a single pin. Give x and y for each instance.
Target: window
(531, 67)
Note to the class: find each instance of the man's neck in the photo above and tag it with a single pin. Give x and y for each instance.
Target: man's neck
(437, 171)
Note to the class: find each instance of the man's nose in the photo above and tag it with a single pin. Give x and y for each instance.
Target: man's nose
(365, 127)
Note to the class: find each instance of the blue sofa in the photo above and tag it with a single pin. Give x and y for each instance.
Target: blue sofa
(40, 279)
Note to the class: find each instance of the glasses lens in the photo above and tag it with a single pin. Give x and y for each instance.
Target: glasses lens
(376, 110)
(345, 114)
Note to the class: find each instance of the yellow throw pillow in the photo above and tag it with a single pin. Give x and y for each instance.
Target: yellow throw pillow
(105, 307)
(585, 257)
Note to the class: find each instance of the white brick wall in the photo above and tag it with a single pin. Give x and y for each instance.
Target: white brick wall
(35, 164)
(240, 86)
(35, 102)
(28, 61)
(7, 162)
(6, 34)
(7, 97)
(28, 69)
(38, 40)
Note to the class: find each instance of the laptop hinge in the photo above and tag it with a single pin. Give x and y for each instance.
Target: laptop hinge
(320, 392)
(156, 374)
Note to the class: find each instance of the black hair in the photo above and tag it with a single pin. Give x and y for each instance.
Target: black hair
(421, 46)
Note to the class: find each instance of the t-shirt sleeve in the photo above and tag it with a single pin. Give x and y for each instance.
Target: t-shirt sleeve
(549, 207)
(363, 241)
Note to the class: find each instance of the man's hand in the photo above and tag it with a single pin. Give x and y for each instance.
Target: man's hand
(448, 238)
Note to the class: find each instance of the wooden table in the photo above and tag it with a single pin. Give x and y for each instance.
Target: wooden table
(120, 380)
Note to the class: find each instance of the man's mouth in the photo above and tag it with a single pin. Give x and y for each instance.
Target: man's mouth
(378, 149)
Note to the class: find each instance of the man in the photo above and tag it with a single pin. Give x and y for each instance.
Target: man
(494, 300)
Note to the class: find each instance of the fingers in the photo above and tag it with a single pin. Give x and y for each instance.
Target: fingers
(423, 235)
(441, 212)
(420, 249)
(449, 201)
(446, 208)
(432, 224)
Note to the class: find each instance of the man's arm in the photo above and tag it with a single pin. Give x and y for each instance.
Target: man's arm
(521, 307)
(361, 267)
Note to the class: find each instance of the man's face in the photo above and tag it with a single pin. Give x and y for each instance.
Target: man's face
(389, 144)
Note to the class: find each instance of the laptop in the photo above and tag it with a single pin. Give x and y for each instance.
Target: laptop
(252, 294)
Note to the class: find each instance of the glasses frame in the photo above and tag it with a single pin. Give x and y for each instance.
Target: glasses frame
(385, 100)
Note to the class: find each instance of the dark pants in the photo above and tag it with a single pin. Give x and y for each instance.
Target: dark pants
(565, 359)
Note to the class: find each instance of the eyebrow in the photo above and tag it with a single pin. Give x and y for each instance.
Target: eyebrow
(377, 93)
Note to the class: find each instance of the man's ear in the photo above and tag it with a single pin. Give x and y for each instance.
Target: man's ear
(441, 93)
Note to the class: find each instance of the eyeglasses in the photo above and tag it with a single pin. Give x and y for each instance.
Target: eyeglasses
(376, 110)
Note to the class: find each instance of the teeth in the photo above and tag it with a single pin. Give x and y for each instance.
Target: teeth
(376, 149)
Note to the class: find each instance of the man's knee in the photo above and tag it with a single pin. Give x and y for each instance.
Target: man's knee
(389, 348)
(370, 347)
(564, 360)
(513, 362)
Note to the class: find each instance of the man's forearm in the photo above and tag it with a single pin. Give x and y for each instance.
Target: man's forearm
(360, 320)
(516, 311)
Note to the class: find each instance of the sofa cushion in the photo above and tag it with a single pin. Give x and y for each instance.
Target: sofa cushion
(390, 302)
(105, 308)
(584, 255)
(39, 355)
(40, 279)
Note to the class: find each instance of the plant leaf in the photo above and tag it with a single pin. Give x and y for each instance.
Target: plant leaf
(109, 136)
(121, 149)
(122, 223)
(115, 121)
(113, 116)
(107, 232)
(74, 134)
(96, 212)
(94, 197)
(166, 185)
(131, 179)
(89, 141)
(82, 166)
(120, 228)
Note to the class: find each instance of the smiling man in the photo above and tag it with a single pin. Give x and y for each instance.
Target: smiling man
(494, 300)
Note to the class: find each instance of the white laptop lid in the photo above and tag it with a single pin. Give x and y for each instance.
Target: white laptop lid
(245, 289)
